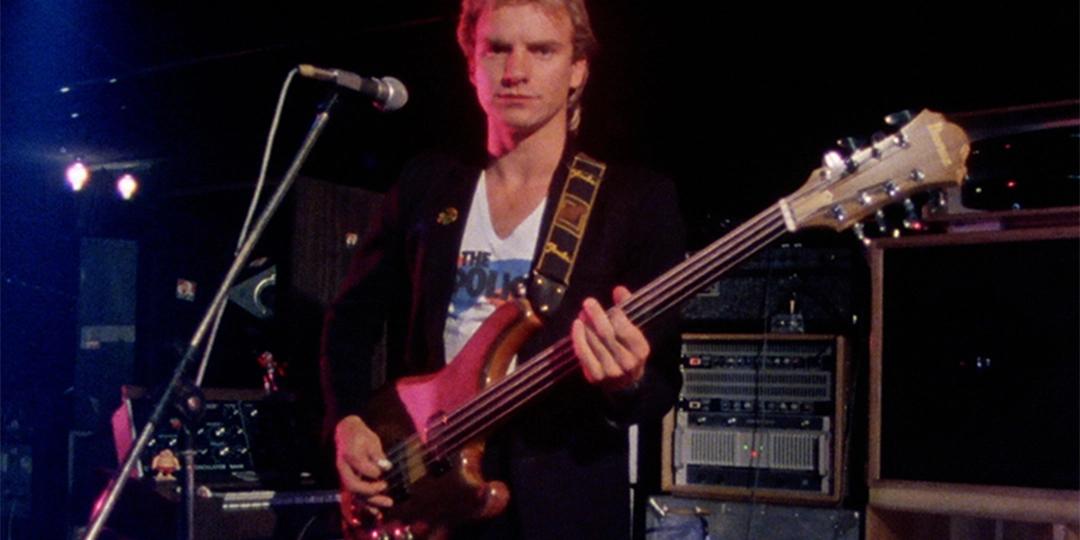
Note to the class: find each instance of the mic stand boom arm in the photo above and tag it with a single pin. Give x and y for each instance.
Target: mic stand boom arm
(116, 485)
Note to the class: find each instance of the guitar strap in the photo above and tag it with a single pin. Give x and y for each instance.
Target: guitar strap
(551, 275)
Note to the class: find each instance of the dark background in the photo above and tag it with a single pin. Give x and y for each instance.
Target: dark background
(735, 100)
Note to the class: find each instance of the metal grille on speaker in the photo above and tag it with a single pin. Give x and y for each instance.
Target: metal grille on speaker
(788, 450)
(738, 383)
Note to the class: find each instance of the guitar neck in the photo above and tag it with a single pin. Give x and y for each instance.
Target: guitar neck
(558, 361)
(699, 270)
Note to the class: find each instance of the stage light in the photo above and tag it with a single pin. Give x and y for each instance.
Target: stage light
(77, 176)
(126, 186)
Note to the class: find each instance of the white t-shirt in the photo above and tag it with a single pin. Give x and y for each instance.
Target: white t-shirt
(488, 269)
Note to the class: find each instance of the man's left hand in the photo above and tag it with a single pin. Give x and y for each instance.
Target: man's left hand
(611, 350)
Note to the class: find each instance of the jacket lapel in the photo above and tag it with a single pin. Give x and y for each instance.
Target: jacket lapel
(446, 217)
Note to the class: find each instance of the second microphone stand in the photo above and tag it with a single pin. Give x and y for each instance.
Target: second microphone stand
(104, 508)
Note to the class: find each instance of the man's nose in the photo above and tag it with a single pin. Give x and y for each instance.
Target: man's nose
(516, 69)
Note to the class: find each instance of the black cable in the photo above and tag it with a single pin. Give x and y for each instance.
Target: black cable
(755, 477)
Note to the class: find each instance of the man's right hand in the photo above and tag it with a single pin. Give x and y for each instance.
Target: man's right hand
(361, 462)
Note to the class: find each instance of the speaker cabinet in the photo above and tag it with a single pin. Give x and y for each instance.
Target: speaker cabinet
(974, 378)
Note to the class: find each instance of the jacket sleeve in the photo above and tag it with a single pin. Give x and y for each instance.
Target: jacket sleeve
(354, 324)
(658, 243)
(372, 298)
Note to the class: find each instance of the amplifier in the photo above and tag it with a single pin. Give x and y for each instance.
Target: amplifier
(246, 439)
(267, 515)
(818, 280)
(759, 416)
(146, 511)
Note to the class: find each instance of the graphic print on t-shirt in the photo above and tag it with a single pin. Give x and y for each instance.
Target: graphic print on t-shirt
(489, 270)
(480, 279)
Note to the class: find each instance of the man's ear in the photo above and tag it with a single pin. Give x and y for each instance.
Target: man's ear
(579, 73)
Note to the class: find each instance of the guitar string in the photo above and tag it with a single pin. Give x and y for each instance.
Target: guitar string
(639, 308)
(680, 270)
(639, 312)
(554, 370)
(441, 443)
(643, 295)
(556, 360)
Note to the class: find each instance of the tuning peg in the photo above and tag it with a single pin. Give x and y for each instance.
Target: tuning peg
(839, 163)
(839, 214)
(898, 118)
(891, 189)
(851, 144)
(875, 141)
(834, 162)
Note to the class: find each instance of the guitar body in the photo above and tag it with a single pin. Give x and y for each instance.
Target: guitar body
(432, 494)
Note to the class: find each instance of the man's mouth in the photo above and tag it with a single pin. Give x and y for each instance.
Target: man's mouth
(514, 97)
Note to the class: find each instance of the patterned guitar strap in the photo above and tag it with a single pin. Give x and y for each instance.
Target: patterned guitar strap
(551, 275)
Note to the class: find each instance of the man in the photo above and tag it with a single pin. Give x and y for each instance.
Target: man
(453, 241)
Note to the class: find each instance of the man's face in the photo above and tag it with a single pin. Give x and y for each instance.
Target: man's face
(523, 67)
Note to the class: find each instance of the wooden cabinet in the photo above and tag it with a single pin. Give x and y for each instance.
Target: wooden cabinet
(901, 510)
(974, 401)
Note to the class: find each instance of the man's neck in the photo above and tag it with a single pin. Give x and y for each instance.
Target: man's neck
(529, 159)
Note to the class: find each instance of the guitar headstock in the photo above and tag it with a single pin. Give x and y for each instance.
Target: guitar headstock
(927, 153)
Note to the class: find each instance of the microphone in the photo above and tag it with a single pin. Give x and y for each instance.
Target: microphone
(387, 94)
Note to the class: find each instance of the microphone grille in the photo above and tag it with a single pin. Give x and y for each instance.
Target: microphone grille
(396, 96)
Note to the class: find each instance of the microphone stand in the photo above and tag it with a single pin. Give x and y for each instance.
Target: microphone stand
(104, 508)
